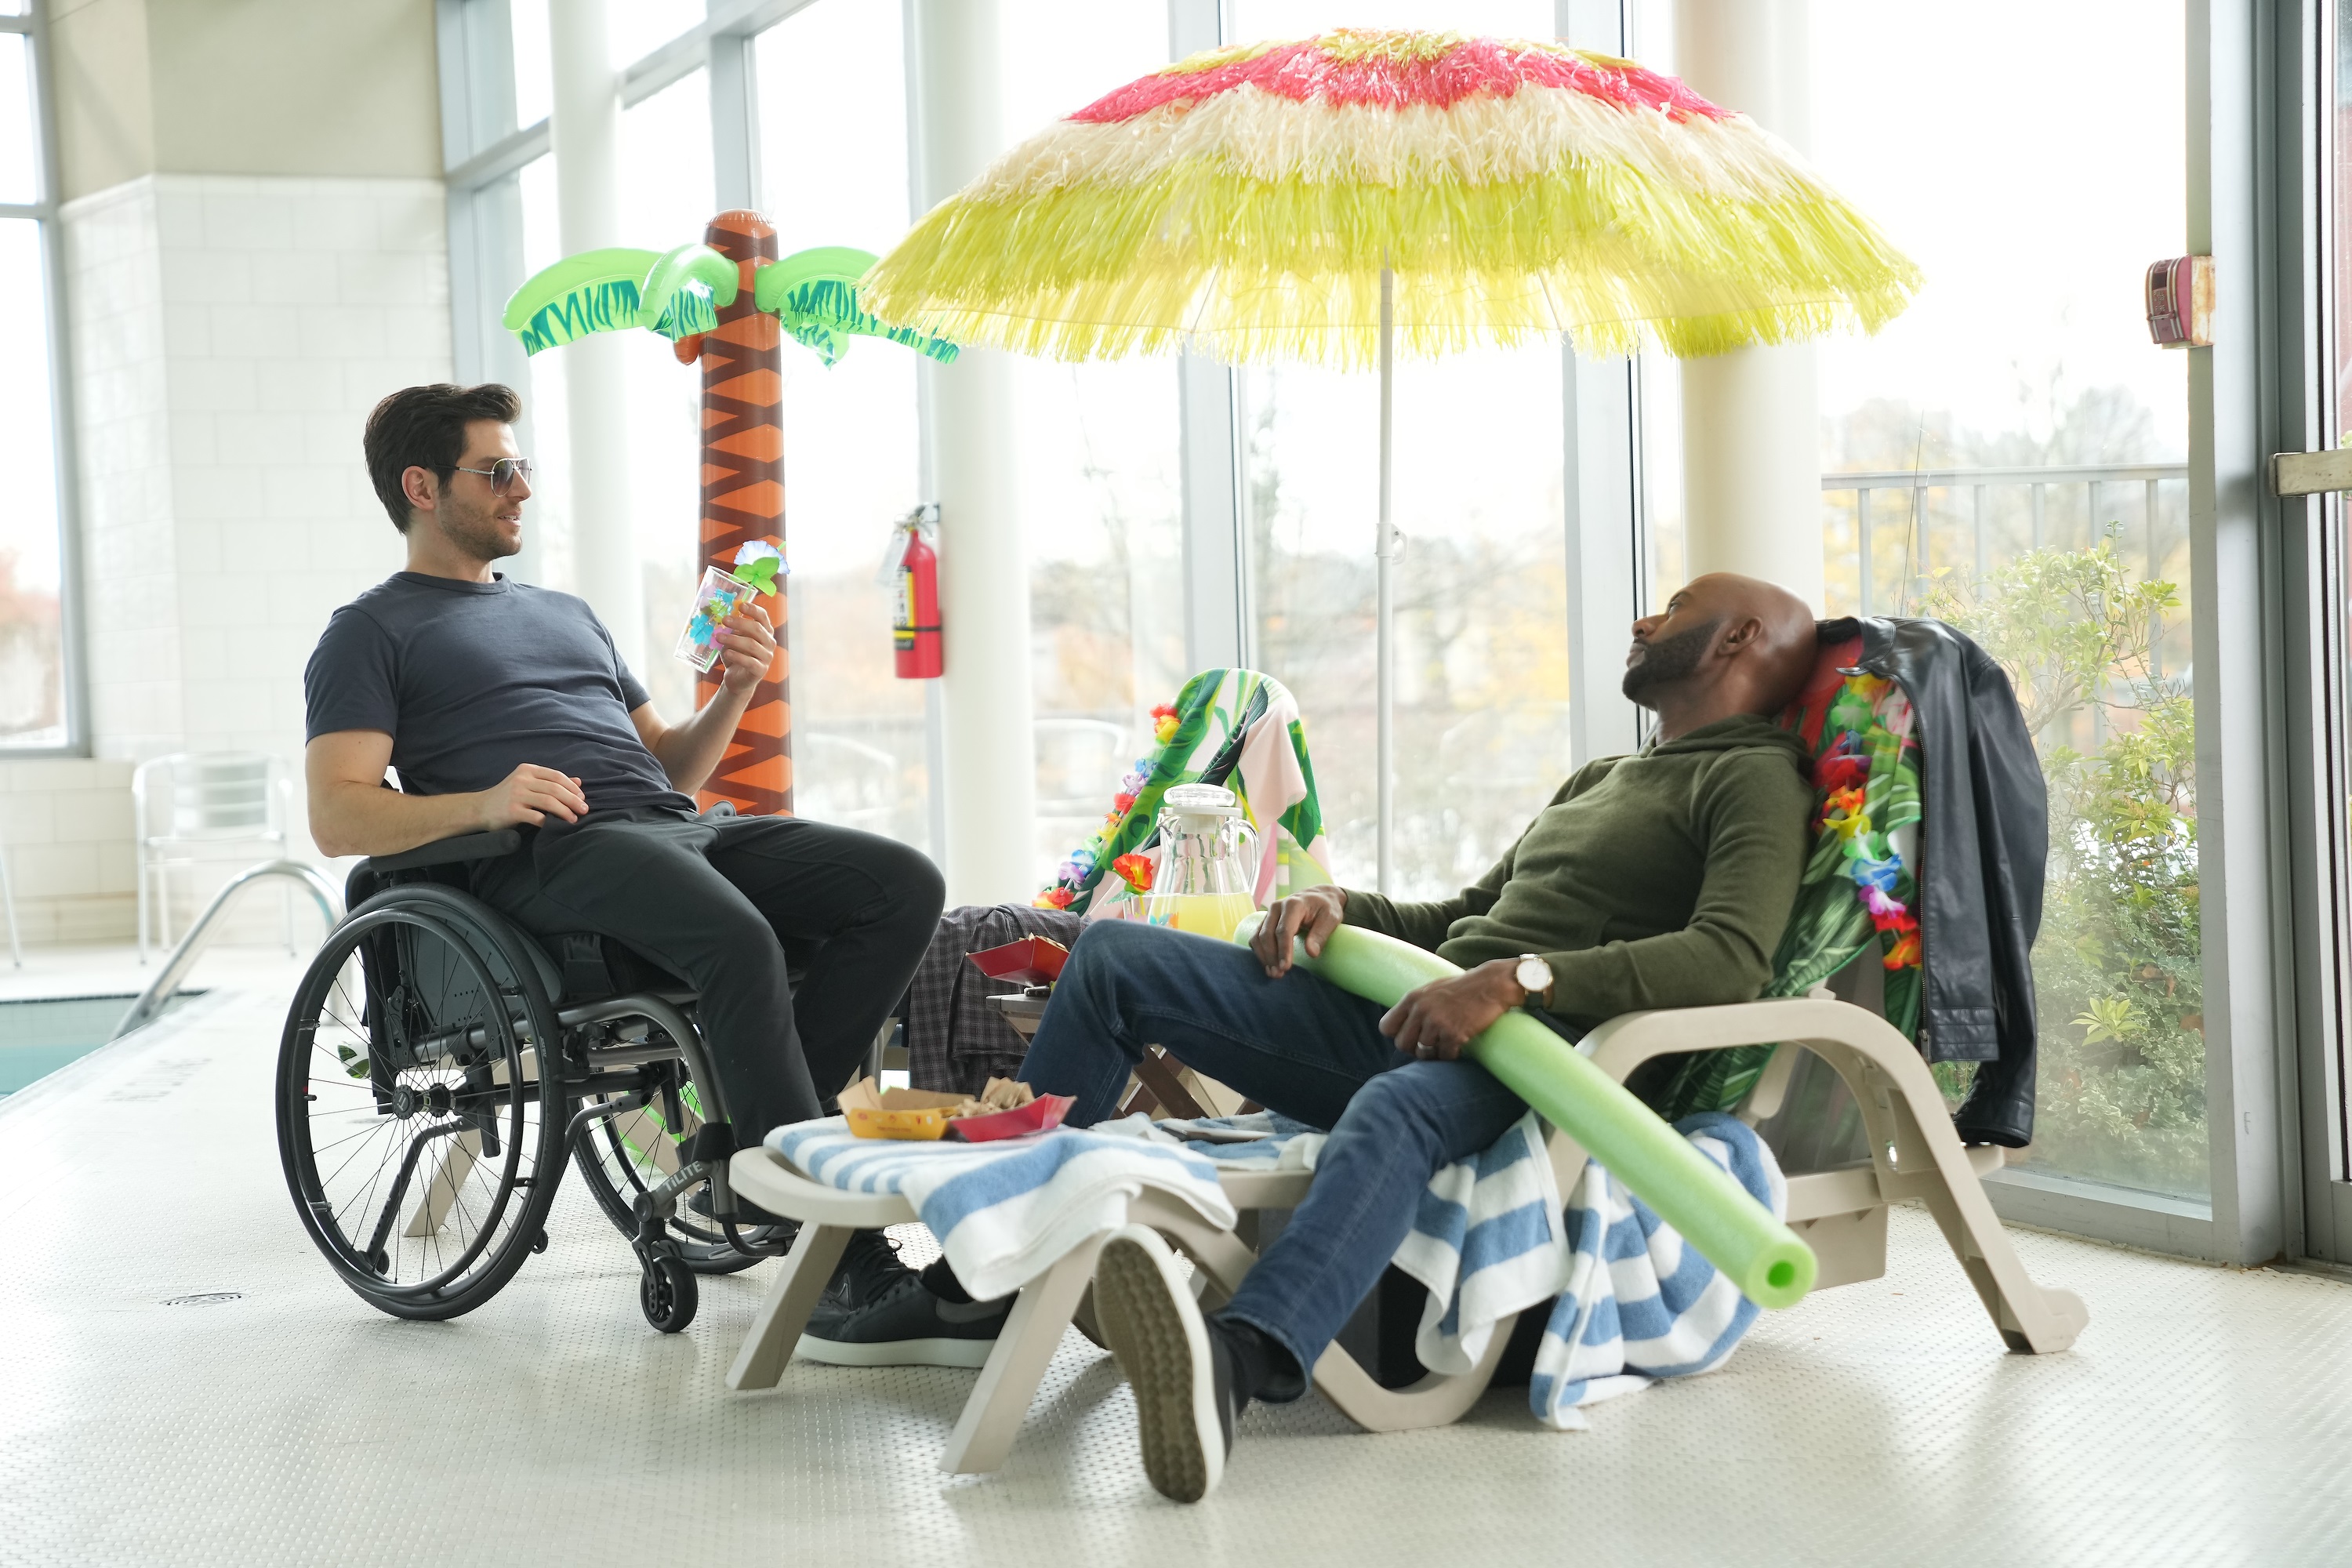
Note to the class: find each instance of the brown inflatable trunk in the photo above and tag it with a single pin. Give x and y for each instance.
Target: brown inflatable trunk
(743, 499)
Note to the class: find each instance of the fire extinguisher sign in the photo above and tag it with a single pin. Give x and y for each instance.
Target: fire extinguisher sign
(915, 619)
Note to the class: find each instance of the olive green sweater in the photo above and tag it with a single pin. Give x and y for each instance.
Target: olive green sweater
(1662, 879)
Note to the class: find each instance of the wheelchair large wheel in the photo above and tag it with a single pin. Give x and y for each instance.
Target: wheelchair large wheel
(622, 1156)
(409, 1119)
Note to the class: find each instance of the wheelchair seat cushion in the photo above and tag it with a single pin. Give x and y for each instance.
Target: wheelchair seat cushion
(573, 966)
(588, 967)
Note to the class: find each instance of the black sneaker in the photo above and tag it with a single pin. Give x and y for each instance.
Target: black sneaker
(868, 1269)
(906, 1325)
(1182, 1371)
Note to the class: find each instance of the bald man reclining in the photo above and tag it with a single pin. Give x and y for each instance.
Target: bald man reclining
(1661, 879)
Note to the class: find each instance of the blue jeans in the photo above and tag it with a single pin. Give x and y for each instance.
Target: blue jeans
(1298, 1046)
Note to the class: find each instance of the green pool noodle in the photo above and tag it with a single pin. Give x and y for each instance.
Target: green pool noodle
(1711, 1211)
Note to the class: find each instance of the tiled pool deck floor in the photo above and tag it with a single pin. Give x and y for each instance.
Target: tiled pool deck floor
(2205, 1417)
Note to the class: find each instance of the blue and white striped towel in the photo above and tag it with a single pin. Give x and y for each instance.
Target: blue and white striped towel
(1639, 1304)
(1004, 1212)
(1491, 1239)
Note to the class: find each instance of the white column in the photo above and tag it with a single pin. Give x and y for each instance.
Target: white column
(584, 129)
(1752, 440)
(991, 759)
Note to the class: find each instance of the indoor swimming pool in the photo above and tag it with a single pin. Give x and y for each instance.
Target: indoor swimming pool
(39, 1035)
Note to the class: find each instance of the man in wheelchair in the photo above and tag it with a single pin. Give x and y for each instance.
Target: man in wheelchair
(1662, 879)
(503, 705)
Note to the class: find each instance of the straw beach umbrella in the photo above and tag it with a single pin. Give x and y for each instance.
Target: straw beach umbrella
(1352, 196)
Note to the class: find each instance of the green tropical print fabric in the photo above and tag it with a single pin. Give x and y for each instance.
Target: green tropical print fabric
(1231, 726)
(1859, 886)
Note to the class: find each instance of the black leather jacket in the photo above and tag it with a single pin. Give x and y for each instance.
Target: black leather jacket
(1984, 850)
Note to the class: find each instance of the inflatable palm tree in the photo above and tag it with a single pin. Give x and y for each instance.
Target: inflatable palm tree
(728, 304)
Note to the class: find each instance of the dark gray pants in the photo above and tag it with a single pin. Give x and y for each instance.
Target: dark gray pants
(722, 902)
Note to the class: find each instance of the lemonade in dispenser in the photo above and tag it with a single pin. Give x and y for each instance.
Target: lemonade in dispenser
(1208, 863)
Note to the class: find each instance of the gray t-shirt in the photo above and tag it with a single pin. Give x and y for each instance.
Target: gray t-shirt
(473, 680)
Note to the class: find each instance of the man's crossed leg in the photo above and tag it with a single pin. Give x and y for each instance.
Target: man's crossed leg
(1298, 1046)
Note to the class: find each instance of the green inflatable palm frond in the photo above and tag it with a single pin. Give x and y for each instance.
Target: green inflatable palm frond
(595, 291)
(690, 311)
(811, 293)
(814, 293)
(685, 290)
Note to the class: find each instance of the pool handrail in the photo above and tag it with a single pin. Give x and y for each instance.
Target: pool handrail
(150, 1002)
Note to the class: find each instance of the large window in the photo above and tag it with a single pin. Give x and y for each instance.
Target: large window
(35, 684)
(666, 199)
(2010, 454)
(1097, 466)
(1481, 594)
(832, 76)
(1481, 599)
(828, 77)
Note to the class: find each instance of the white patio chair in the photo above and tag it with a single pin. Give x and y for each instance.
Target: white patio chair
(190, 801)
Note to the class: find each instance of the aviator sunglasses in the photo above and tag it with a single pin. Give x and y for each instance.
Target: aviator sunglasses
(503, 473)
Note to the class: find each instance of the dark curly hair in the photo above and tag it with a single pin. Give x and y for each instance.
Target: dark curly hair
(425, 427)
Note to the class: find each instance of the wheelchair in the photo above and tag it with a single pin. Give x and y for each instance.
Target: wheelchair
(438, 1069)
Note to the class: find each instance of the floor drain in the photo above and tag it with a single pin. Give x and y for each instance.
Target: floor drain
(205, 1299)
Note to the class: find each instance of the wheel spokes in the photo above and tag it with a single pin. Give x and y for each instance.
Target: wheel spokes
(411, 1107)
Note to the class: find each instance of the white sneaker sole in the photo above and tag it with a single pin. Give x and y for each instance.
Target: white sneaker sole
(897, 1353)
(1154, 1328)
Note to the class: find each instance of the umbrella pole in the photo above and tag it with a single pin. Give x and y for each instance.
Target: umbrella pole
(1384, 631)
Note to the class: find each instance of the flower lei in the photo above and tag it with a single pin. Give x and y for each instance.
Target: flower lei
(1872, 862)
(1135, 870)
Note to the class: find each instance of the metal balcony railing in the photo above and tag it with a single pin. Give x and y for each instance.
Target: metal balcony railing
(1978, 485)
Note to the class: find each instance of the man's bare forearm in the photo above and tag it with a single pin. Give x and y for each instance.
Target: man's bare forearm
(349, 818)
(690, 753)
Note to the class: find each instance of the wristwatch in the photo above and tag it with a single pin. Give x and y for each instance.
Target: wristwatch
(1534, 976)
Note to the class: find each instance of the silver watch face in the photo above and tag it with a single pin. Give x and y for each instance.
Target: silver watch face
(1534, 976)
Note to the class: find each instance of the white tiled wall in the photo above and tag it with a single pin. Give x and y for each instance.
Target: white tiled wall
(230, 334)
(66, 831)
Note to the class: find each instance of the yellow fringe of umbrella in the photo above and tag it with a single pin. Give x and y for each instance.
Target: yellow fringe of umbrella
(1504, 221)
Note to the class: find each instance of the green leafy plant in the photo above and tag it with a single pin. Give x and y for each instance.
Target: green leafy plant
(2118, 981)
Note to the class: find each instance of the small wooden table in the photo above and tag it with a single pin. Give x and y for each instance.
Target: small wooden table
(1022, 1010)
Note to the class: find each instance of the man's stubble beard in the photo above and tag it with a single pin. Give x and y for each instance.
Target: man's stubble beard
(1669, 661)
(475, 531)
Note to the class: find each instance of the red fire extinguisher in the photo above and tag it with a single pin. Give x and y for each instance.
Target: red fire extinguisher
(915, 628)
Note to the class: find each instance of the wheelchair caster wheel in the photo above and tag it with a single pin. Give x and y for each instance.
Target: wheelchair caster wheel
(539, 1242)
(669, 1294)
(380, 1260)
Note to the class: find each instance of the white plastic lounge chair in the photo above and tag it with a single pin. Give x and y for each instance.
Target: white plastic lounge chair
(1842, 1213)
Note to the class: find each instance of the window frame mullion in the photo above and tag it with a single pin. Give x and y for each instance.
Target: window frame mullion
(64, 445)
